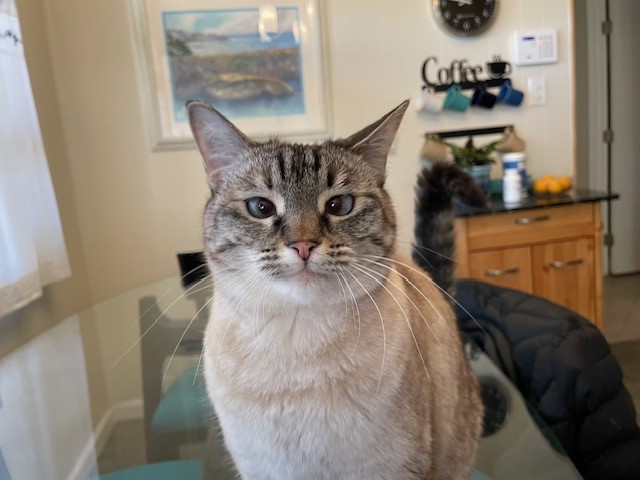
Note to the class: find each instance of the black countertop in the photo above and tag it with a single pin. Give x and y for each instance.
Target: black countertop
(496, 205)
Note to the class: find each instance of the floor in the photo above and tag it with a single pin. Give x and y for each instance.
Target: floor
(622, 328)
(622, 308)
(628, 355)
(126, 446)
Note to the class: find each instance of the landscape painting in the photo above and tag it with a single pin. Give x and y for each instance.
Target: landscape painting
(246, 62)
(261, 64)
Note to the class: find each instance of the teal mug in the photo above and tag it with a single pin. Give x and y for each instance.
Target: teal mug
(454, 100)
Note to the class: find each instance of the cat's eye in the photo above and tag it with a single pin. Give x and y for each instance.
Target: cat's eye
(261, 207)
(339, 205)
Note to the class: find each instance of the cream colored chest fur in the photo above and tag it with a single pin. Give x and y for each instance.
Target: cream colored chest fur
(305, 394)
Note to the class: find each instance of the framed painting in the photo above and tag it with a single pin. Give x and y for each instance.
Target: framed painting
(260, 64)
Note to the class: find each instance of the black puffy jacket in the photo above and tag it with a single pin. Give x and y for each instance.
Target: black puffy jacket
(564, 368)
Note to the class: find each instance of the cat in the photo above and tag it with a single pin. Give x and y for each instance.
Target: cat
(327, 355)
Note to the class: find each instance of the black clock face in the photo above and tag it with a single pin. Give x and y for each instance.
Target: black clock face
(465, 17)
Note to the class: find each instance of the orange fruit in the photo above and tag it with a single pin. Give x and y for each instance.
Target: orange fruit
(565, 182)
(554, 186)
(540, 186)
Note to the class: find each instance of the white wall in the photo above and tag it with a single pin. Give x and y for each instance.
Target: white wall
(136, 209)
(377, 51)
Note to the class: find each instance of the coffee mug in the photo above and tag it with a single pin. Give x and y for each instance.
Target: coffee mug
(509, 95)
(482, 98)
(436, 151)
(510, 142)
(454, 100)
(498, 69)
(429, 101)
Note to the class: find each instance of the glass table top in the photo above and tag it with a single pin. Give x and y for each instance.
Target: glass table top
(116, 393)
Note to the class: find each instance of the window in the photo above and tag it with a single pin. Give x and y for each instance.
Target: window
(32, 249)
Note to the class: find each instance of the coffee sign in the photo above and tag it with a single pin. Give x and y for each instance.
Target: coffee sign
(440, 78)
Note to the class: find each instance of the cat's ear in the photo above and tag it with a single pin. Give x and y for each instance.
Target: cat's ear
(374, 142)
(219, 141)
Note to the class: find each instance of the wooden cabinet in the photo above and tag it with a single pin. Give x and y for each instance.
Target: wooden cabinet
(507, 267)
(553, 252)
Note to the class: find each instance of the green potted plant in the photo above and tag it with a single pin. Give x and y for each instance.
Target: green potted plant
(476, 161)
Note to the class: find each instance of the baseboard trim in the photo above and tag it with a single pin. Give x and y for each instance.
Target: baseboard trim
(86, 465)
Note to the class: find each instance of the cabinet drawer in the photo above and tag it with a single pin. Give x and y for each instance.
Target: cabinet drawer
(563, 272)
(507, 267)
(530, 226)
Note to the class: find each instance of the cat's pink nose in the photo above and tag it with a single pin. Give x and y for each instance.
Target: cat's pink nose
(303, 248)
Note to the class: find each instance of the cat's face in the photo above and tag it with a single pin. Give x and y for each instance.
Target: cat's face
(296, 219)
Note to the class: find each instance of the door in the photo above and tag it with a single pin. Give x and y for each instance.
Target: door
(594, 105)
(625, 122)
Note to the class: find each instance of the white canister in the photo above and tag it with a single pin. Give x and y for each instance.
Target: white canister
(511, 187)
(517, 160)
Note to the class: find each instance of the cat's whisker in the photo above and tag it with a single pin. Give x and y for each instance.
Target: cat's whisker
(195, 288)
(435, 252)
(344, 295)
(217, 357)
(448, 295)
(384, 334)
(238, 303)
(405, 294)
(415, 340)
(180, 279)
(255, 327)
(190, 290)
(444, 292)
(427, 299)
(230, 285)
(195, 374)
(221, 289)
(180, 341)
(355, 303)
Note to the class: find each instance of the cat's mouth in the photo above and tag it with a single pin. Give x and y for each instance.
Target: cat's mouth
(304, 274)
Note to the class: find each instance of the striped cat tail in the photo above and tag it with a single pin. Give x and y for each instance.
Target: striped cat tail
(434, 245)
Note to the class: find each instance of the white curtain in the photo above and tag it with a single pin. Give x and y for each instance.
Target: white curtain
(32, 250)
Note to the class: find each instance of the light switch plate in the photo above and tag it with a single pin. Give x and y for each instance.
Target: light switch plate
(537, 87)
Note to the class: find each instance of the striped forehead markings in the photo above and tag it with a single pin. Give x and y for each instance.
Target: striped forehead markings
(281, 164)
(295, 162)
(315, 152)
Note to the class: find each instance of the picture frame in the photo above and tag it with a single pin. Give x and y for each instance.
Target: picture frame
(263, 66)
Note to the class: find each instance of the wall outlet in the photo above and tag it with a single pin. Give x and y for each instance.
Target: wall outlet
(537, 87)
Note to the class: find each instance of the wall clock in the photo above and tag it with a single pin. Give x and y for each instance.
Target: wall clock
(465, 18)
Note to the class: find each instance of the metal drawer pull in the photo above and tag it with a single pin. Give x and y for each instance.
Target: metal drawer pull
(529, 220)
(558, 264)
(498, 273)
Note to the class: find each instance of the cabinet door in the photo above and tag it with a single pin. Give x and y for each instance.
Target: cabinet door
(563, 272)
(506, 267)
